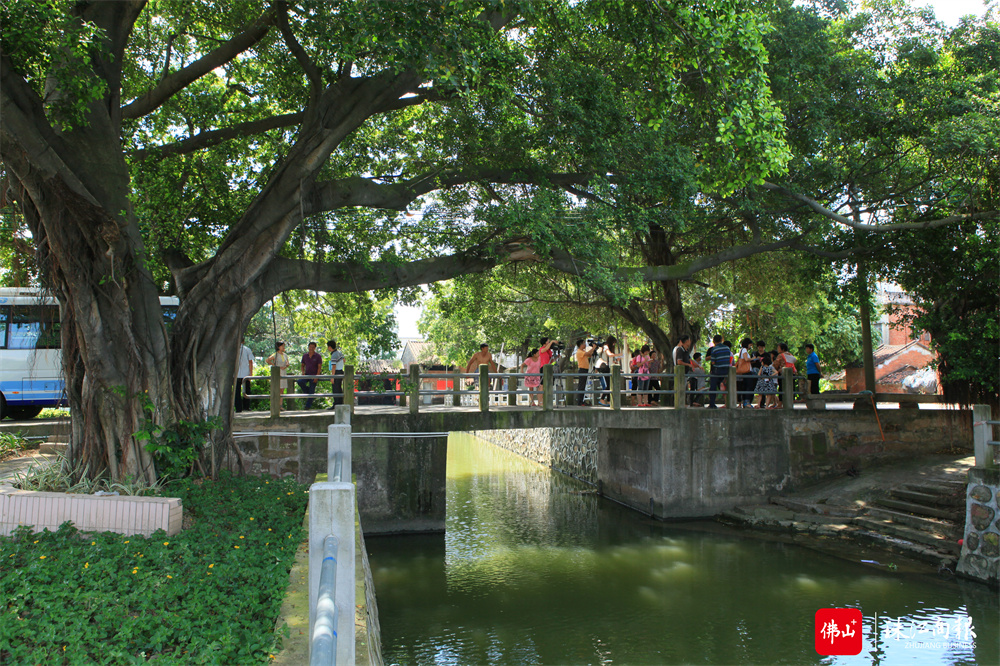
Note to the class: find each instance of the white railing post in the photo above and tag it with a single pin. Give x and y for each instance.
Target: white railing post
(342, 415)
(338, 450)
(981, 436)
(331, 511)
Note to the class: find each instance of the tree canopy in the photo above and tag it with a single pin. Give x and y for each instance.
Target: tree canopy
(230, 152)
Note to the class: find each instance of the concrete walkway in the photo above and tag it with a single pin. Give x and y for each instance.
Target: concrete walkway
(20, 465)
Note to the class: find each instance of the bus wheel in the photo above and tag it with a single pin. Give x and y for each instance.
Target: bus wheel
(22, 413)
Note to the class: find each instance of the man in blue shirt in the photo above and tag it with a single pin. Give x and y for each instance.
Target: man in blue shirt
(721, 358)
(812, 369)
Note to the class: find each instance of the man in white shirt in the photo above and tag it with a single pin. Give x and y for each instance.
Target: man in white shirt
(244, 370)
(336, 368)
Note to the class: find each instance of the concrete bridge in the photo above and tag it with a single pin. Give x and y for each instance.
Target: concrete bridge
(670, 463)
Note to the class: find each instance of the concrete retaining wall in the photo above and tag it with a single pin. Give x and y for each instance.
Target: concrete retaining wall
(367, 631)
(689, 462)
(706, 462)
(980, 557)
(572, 451)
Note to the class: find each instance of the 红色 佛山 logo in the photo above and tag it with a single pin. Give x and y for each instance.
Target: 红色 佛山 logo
(838, 631)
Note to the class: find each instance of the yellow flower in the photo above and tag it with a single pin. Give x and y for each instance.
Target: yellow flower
(36, 541)
(93, 543)
(241, 536)
(42, 557)
(126, 542)
(86, 565)
(166, 543)
(268, 529)
(251, 517)
(236, 547)
(169, 576)
(211, 565)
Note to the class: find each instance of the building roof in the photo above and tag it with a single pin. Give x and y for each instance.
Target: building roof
(378, 366)
(420, 351)
(885, 353)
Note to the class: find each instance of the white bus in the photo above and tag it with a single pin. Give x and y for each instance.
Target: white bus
(30, 356)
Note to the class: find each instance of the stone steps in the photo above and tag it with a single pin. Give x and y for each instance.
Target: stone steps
(943, 528)
(912, 534)
(923, 498)
(922, 510)
(915, 550)
(53, 447)
(828, 510)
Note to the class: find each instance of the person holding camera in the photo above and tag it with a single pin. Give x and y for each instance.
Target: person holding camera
(584, 350)
(605, 359)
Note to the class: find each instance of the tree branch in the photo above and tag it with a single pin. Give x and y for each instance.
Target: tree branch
(356, 191)
(171, 84)
(341, 277)
(312, 71)
(860, 226)
(214, 137)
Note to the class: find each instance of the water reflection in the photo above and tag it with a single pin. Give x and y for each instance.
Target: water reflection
(535, 570)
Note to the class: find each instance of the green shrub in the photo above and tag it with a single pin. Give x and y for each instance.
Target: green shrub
(209, 595)
(10, 444)
(60, 477)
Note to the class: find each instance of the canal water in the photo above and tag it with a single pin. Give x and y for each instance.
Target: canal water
(534, 569)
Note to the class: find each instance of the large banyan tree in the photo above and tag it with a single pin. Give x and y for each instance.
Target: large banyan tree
(226, 152)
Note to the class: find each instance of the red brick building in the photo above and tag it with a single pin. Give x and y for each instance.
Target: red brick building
(902, 352)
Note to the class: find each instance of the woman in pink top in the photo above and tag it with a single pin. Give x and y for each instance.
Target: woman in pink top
(533, 364)
(642, 368)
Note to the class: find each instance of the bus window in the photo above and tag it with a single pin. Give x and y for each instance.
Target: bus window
(34, 327)
(169, 314)
(3, 326)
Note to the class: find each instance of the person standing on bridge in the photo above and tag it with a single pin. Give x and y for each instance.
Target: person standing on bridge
(545, 351)
(311, 363)
(583, 353)
(482, 357)
(605, 360)
(244, 371)
(336, 369)
(722, 359)
(533, 365)
(813, 369)
(280, 360)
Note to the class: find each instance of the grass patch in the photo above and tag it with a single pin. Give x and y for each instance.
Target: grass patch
(209, 595)
(54, 413)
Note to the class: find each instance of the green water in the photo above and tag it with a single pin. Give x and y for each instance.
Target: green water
(531, 571)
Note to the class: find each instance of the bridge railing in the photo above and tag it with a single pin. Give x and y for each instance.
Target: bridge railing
(510, 389)
(331, 556)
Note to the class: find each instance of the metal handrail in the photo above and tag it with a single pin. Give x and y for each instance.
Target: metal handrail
(324, 637)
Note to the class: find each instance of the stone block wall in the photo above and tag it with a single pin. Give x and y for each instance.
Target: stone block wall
(980, 557)
(572, 451)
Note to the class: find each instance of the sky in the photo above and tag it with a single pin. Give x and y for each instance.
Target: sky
(948, 11)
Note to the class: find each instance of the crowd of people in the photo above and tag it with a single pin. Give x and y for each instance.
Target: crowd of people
(758, 370)
(310, 365)
(759, 383)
